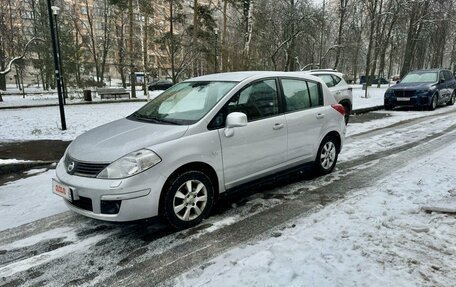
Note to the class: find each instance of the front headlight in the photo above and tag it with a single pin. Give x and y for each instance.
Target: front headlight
(130, 164)
(389, 93)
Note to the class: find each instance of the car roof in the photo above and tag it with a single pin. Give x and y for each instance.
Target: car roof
(241, 76)
(322, 72)
(427, 70)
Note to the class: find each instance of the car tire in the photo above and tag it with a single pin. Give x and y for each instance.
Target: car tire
(452, 99)
(327, 155)
(434, 102)
(188, 199)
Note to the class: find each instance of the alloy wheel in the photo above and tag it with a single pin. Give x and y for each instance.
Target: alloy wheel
(190, 200)
(328, 155)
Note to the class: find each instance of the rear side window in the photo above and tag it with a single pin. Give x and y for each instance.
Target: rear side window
(336, 79)
(301, 95)
(316, 95)
(328, 79)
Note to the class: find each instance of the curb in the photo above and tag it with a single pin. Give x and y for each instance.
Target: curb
(20, 167)
(74, 104)
(367, 110)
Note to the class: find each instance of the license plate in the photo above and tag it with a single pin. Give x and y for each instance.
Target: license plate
(403, 99)
(62, 190)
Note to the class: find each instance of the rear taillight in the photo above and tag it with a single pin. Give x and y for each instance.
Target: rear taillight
(339, 108)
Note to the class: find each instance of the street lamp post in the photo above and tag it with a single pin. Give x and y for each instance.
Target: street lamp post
(215, 50)
(55, 11)
(56, 64)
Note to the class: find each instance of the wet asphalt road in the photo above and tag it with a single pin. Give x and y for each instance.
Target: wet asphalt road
(148, 253)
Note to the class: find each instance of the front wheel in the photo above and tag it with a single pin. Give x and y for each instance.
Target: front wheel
(188, 199)
(327, 156)
(452, 99)
(434, 102)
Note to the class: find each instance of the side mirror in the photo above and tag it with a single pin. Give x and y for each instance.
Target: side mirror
(234, 120)
(442, 81)
(397, 82)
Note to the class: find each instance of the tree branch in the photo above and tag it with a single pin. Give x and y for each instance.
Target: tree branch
(8, 69)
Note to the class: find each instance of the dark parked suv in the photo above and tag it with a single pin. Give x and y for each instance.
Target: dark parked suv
(422, 88)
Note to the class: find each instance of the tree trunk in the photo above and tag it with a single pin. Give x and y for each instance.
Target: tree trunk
(172, 44)
(130, 50)
(342, 9)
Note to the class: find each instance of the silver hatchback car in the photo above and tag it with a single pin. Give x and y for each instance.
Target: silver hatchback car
(200, 138)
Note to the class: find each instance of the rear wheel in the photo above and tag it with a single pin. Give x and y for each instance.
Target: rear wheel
(452, 99)
(327, 155)
(188, 199)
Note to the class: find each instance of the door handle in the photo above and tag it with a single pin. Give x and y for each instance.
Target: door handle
(320, 116)
(277, 126)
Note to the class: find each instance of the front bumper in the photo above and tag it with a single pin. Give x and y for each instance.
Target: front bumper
(414, 101)
(128, 199)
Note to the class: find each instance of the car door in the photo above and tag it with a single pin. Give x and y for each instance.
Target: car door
(448, 85)
(442, 87)
(260, 147)
(305, 115)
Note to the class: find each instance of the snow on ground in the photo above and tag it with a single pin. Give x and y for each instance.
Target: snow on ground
(44, 123)
(12, 161)
(28, 199)
(377, 237)
(374, 96)
(394, 117)
(395, 138)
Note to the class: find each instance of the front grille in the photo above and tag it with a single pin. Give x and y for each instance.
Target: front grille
(83, 203)
(402, 94)
(85, 169)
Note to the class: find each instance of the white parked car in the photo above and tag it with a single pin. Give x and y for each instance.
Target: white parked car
(200, 138)
(338, 87)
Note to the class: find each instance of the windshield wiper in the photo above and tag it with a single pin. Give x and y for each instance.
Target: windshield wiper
(152, 119)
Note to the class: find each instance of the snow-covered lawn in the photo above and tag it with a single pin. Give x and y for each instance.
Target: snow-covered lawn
(29, 199)
(379, 236)
(374, 96)
(44, 123)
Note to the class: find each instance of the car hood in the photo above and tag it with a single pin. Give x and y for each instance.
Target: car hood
(111, 141)
(412, 86)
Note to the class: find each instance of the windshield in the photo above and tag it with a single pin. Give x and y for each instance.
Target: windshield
(427, 77)
(184, 103)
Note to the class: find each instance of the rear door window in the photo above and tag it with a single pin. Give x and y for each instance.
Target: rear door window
(301, 94)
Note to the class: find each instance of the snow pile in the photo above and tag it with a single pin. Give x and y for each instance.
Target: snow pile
(12, 161)
(379, 236)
